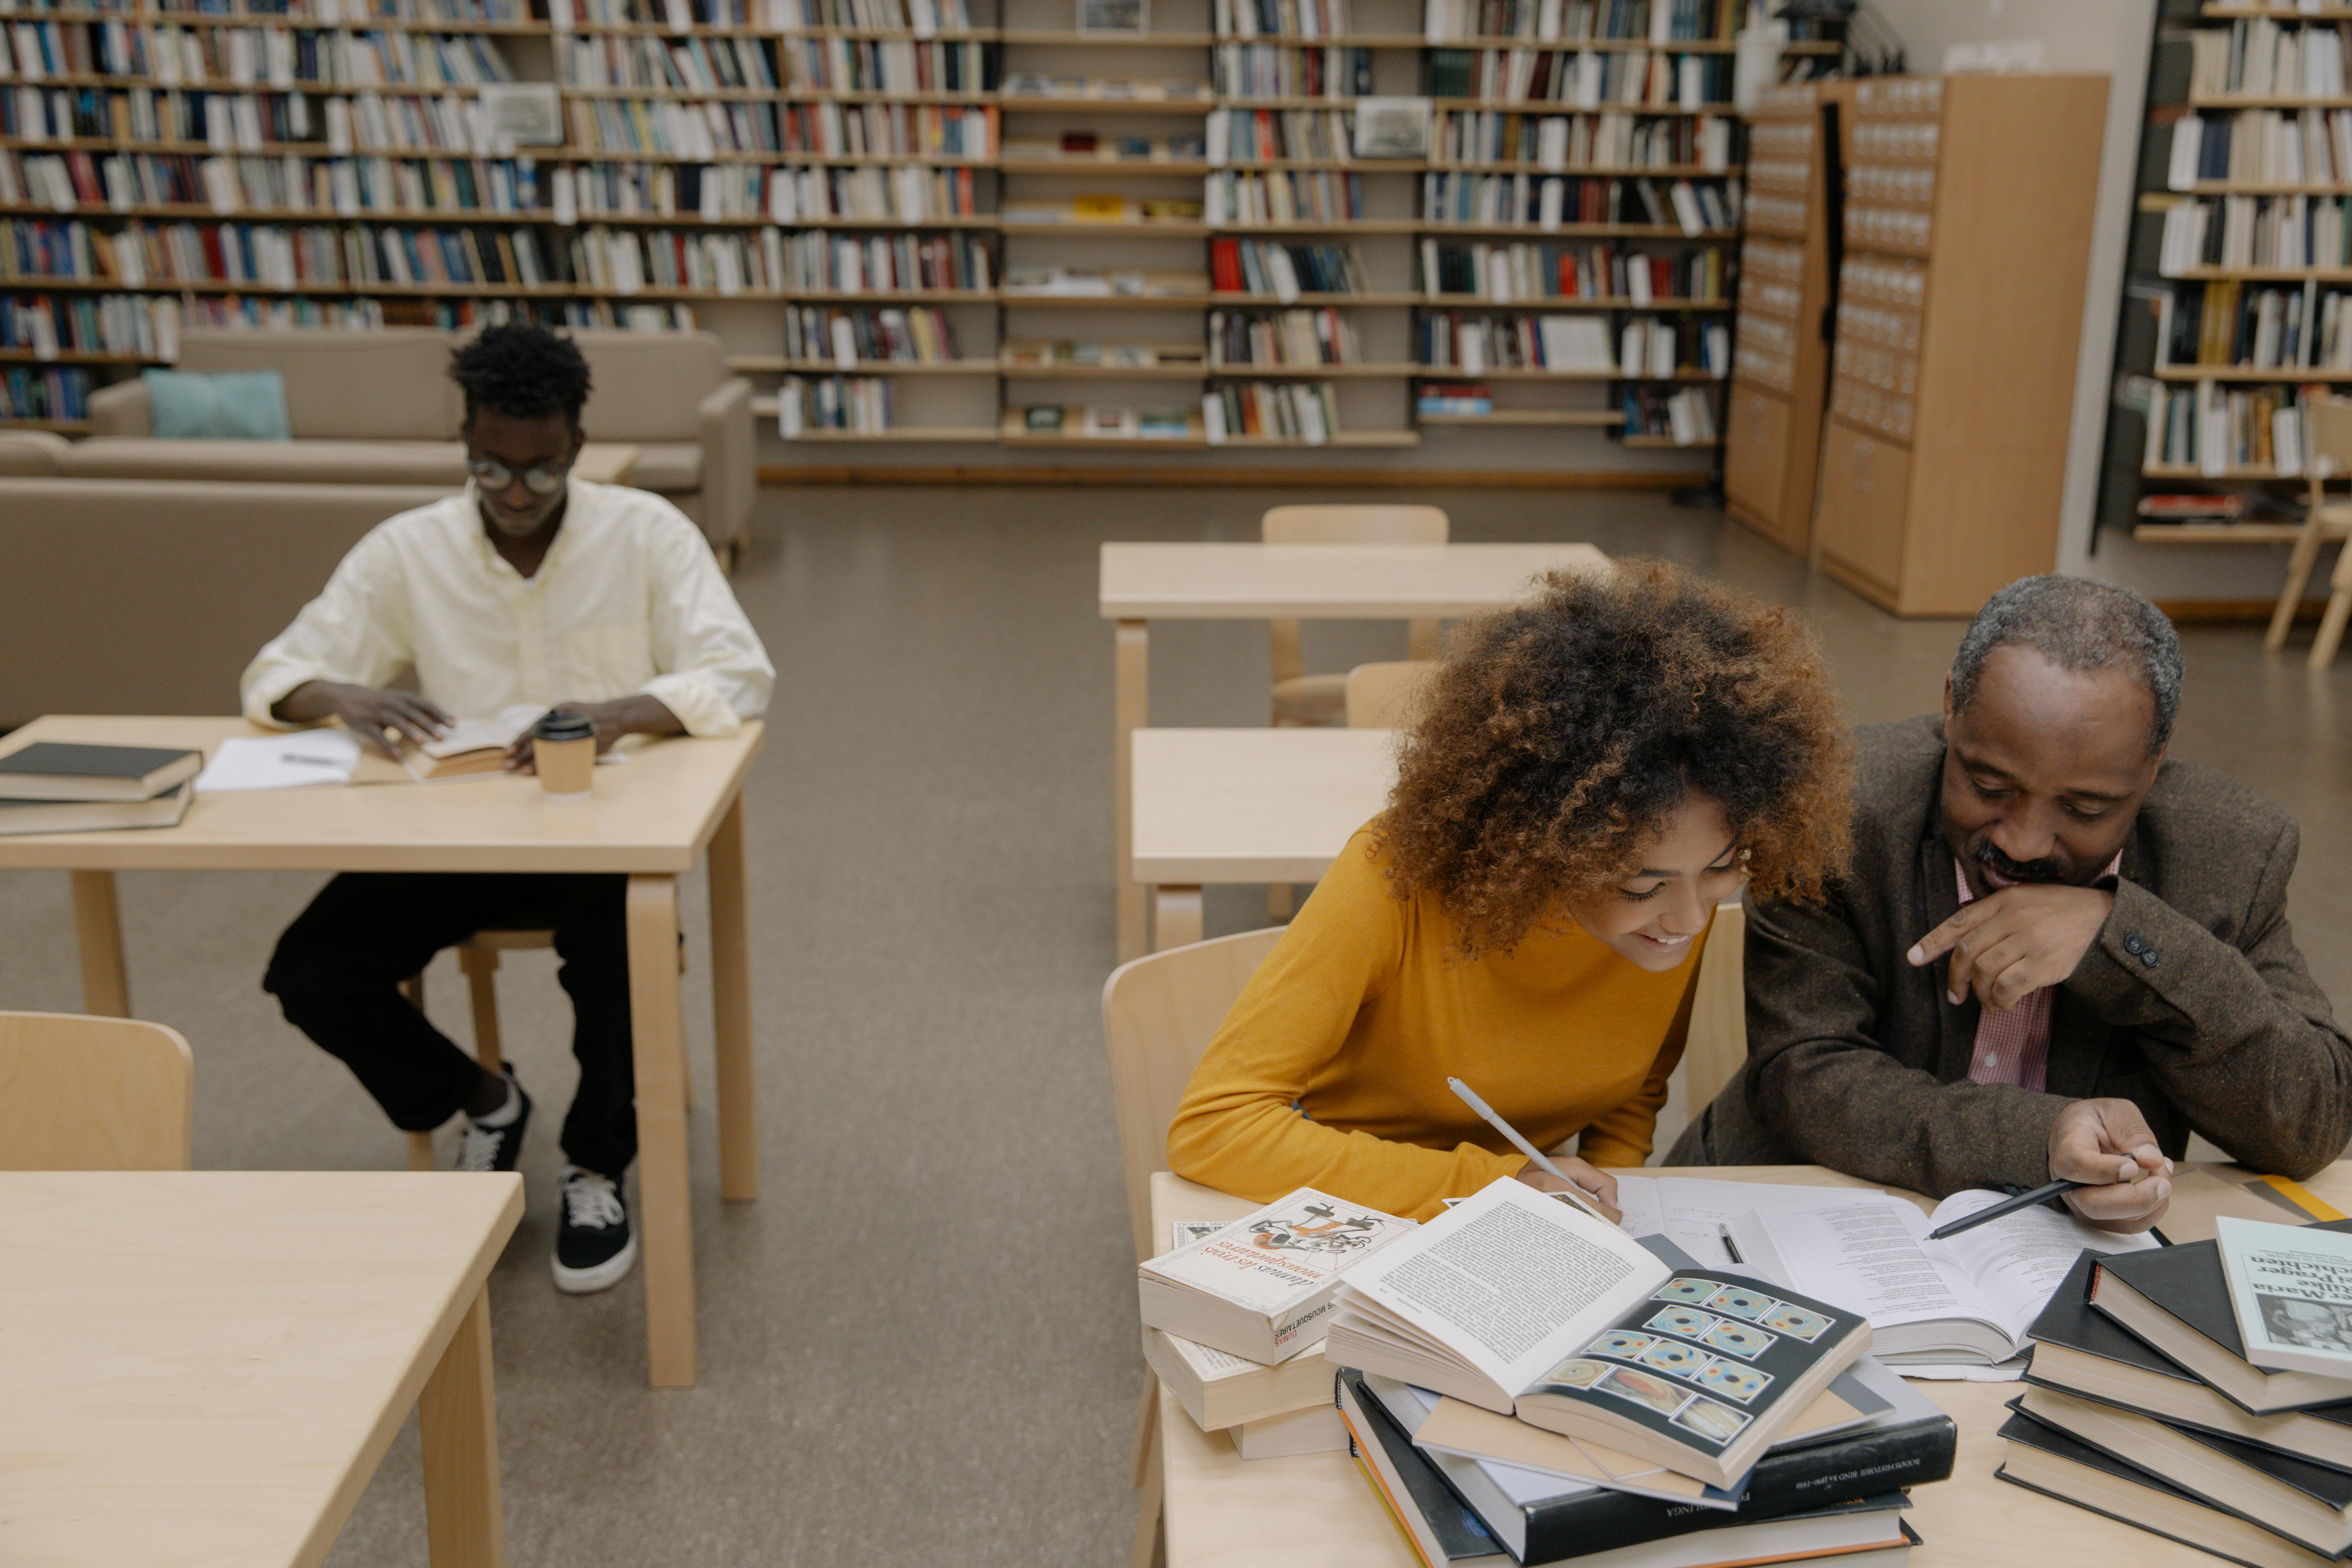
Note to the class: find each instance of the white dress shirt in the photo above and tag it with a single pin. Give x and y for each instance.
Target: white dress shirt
(629, 600)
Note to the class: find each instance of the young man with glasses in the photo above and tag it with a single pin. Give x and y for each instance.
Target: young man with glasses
(531, 587)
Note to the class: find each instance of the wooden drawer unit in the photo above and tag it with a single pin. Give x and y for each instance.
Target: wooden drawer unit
(1755, 449)
(1967, 228)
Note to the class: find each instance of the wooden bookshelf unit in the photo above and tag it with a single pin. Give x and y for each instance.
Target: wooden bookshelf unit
(1968, 217)
(1779, 365)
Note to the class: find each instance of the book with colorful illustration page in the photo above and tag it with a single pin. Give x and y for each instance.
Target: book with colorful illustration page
(1220, 1390)
(1261, 1288)
(469, 746)
(2291, 1292)
(1527, 1308)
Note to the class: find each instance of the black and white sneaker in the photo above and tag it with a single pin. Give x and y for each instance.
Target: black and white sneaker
(594, 1247)
(495, 1143)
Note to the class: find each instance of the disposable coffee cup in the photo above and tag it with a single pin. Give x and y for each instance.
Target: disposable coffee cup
(563, 747)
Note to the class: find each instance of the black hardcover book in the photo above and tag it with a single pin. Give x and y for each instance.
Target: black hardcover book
(1790, 1481)
(62, 769)
(2178, 1299)
(1454, 1530)
(2082, 1351)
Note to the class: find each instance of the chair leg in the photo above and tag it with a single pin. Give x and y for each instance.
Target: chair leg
(481, 967)
(2307, 546)
(2331, 624)
(1149, 1477)
(420, 1151)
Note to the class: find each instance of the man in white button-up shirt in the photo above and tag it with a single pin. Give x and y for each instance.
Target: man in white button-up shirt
(531, 587)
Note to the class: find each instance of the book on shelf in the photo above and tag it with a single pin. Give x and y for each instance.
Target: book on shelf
(1293, 195)
(49, 816)
(1297, 19)
(86, 770)
(2262, 57)
(858, 404)
(1558, 141)
(1484, 1513)
(1569, 345)
(1292, 411)
(2192, 508)
(1096, 356)
(1283, 272)
(1683, 418)
(1289, 70)
(2187, 1302)
(2081, 1351)
(1098, 90)
(2310, 1504)
(1060, 282)
(1583, 1331)
(1104, 207)
(1089, 147)
(1262, 1286)
(1455, 398)
(1236, 135)
(2045, 1460)
(1294, 337)
(853, 337)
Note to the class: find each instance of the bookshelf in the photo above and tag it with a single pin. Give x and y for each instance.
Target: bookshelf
(1967, 226)
(877, 203)
(1779, 364)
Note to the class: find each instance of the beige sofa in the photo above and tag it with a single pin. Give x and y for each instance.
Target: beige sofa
(151, 596)
(378, 408)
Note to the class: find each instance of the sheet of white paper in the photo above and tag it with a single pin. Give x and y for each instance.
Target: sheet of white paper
(295, 761)
(1693, 1213)
(1963, 1372)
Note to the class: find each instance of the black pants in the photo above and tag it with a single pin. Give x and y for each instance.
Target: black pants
(338, 968)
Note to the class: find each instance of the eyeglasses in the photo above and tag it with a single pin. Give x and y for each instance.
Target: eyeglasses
(543, 480)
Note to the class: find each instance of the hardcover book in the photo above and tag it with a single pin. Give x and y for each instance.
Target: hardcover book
(2181, 1300)
(2290, 1292)
(1262, 1286)
(66, 770)
(21, 817)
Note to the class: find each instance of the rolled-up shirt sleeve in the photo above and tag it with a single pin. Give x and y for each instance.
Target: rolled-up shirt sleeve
(356, 630)
(714, 673)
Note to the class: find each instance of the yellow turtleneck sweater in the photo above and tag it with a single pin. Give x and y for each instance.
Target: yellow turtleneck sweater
(1331, 1070)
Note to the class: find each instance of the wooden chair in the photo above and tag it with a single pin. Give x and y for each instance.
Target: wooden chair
(1303, 699)
(93, 1094)
(1158, 1013)
(1381, 696)
(478, 960)
(2329, 422)
(1717, 1042)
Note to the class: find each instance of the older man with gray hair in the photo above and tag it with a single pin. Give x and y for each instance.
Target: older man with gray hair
(2056, 954)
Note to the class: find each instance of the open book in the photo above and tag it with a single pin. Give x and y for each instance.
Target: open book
(1971, 1297)
(1525, 1307)
(469, 746)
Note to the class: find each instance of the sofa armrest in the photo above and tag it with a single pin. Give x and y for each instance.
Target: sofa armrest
(33, 454)
(122, 409)
(729, 472)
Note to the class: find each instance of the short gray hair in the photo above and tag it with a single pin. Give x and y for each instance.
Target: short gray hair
(2080, 625)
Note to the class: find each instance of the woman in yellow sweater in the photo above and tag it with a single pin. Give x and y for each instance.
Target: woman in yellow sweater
(1590, 772)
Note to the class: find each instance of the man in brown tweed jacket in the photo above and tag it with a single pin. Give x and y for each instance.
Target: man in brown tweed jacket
(2056, 954)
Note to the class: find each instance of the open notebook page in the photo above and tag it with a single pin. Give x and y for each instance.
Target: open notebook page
(1693, 1213)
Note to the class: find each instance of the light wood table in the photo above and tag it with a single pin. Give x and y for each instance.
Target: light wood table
(1246, 806)
(203, 1369)
(605, 462)
(650, 819)
(1317, 1510)
(1142, 583)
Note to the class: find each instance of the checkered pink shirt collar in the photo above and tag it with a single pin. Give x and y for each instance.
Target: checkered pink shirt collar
(2014, 1047)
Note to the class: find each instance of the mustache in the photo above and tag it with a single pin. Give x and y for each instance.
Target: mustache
(2018, 870)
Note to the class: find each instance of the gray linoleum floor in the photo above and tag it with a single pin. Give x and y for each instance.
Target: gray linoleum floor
(920, 1345)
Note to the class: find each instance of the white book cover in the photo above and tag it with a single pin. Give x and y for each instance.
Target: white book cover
(1284, 1253)
(2291, 1290)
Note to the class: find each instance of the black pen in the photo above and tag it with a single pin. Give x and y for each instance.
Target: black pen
(1729, 1246)
(2041, 1195)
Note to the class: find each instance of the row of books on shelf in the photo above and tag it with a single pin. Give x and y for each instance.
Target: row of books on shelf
(1284, 271)
(270, 255)
(338, 13)
(131, 325)
(906, 194)
(891, 130)
(1046, 87)
(911, 336)
(860, 403)
(1260, 135)
(1684, 418)
(1581, 141)
(2218, 430)
(678, 128)
(1085, 147)
(2264, 57)
(882, 65)
(1288, 410)
(1294, 337)
(922, 18)
(1643, 347)
(1292, 70)
(770, 261)
(1063, 353)
(1547, 203)
(2255, 231)
(1617, 21)
(148, 326)
(1502, 274)
(346, 187)
(162, 55)
(1101, 207)
(51, 392)
(1102, 422)
(2265, 147)
(623, 60)
(1588, 78)
(2233, 325)
(1291, 196)
(1280, 18)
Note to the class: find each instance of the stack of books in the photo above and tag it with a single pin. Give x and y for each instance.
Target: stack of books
(55, 787)
(2201, 1391)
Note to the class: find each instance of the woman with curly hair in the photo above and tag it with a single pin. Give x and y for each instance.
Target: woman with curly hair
(1589, 773)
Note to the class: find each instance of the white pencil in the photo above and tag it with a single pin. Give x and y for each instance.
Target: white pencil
(1575, 1195)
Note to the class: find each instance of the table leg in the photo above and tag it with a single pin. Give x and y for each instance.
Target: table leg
(97, 929)
(1130, 711)
(1175, 917)
(730, 1007)
(665, 1217)
(459, 1417)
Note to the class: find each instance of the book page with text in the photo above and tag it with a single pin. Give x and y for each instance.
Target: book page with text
(2017, 1259)
(1509, 1281)
(1870, 1254)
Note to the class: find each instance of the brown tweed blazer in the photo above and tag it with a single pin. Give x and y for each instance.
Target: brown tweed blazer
(2193, 1002)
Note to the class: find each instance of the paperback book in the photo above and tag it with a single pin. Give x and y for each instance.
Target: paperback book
(1262, 1286)
(2290, 1292)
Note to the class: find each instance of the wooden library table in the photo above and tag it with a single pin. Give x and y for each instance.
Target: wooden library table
(1246, 806)
(1215, 582)
(605, 462)
(649, 818)
(1317, 1510)
(205, 1368)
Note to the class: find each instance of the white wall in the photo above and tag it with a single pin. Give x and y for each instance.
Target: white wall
(2110, 36)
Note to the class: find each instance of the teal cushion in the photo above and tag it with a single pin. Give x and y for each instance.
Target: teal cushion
(231, 405)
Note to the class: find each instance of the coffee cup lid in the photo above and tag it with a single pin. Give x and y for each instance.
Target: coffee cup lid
(552, 726)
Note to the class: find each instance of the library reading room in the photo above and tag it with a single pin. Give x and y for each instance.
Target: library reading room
(1549, 789)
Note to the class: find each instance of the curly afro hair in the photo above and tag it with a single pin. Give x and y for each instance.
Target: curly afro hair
(522, 370)
(1557, 734)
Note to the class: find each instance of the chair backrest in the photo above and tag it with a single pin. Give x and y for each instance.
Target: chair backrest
(647, 386)
(1381, 696)
(388, 383)
(1158, 1014)
(1369, 524)
(2329, 420)
(1717, 1042)
(93, 1094)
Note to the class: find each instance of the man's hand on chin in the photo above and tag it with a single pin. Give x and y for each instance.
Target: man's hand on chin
(2107, 1144)
(2013, 942)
